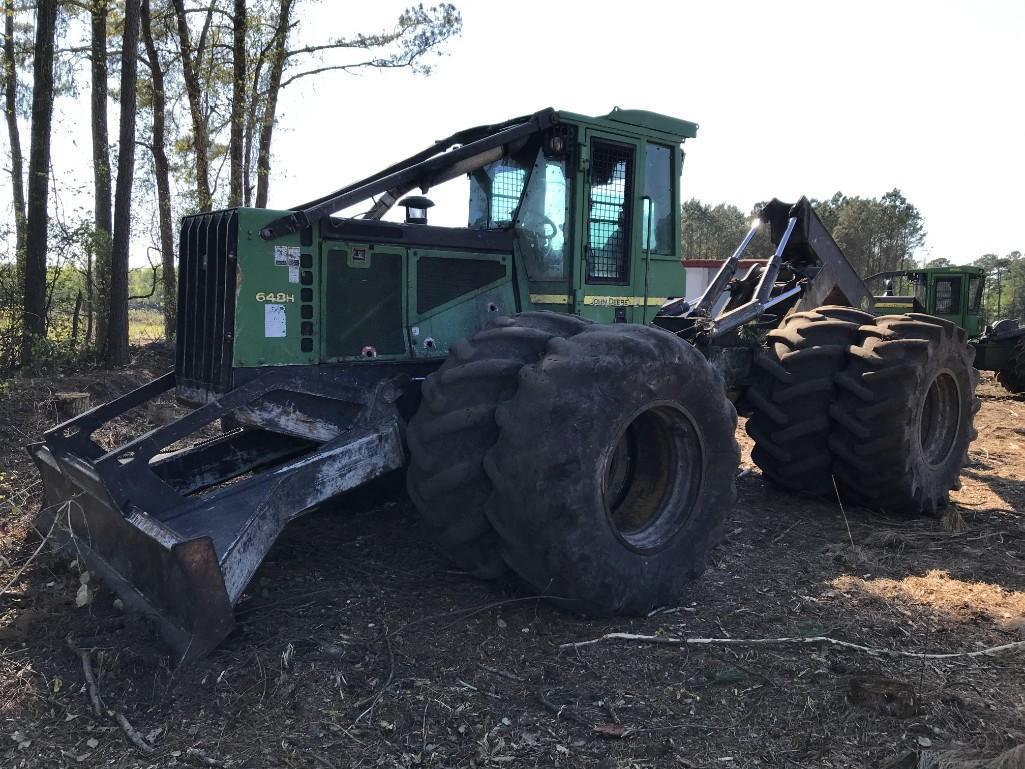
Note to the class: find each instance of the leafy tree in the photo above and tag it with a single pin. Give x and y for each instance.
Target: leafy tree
(237, 57)
(876, 234)
(98, 269)
(711, 231)
(115, 350)
(10, 85)
(34, 300)
(157, 99)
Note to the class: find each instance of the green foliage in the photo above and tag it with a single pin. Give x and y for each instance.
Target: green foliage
(711, 231)
(876, 234)
(1004, 295)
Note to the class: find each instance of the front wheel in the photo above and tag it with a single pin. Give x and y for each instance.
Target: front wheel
(614, 466)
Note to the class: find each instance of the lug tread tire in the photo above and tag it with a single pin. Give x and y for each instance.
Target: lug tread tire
(876, 443)
(557, 434)
(455, 426)
(790, 394)
(1012, 378)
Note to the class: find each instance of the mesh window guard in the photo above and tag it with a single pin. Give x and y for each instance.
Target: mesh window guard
(506, 189)
(608, 228)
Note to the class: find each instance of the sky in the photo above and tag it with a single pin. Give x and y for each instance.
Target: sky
(801, 98)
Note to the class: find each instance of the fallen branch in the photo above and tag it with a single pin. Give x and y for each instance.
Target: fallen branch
(670, 641)
(31, 558)
(90, 679)
(562, 711)
(374, 699)
(133, 736)
(200, 757)
(94, 697)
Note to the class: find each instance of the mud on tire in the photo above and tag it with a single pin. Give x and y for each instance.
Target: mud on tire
(614, 467)
(791, 392)
(455, 426)
(904, 414)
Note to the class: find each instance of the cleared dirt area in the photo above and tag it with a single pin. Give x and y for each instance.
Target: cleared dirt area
(359, 646)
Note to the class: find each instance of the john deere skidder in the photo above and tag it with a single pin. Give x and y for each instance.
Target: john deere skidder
(561, 411)
(955, 294)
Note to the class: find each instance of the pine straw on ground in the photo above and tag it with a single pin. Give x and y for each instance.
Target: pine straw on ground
(358, 645)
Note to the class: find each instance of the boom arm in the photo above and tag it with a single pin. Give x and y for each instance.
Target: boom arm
(424, 169)
(807, 270)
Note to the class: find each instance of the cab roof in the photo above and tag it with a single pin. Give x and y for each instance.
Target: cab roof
(642, 121)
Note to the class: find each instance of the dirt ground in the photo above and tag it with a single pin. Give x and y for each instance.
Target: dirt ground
(358, 645)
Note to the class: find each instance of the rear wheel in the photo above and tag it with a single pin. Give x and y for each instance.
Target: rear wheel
(455, 426)
(791, 392)
(1012, 378)
(615, 464)
(905, 414)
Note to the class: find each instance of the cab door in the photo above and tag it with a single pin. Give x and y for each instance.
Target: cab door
(949, 297)
(608, 242)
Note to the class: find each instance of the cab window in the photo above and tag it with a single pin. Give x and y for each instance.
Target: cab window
(542, 218)
(657, 233)
(948, 293)
(495, 192)
(608, 225)
(975, 293)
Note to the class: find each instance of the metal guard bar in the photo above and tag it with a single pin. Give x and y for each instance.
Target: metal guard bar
(420, 172)
(134, 519)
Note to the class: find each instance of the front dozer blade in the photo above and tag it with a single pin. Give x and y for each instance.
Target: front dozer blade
(166, 531)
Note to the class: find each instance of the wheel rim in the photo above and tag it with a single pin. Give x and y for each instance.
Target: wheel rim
(652, 476)
(941, 418)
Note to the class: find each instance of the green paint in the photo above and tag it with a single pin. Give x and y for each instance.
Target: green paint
(265, 296)
(951, 293)
(570, 209)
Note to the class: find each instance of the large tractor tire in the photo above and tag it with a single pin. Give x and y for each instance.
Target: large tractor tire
(1012, 378)
(904, 414)
(790, 394)
(455, 426)
(614, 467)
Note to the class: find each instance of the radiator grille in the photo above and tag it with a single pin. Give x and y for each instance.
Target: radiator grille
(440, 280)
(206, 301)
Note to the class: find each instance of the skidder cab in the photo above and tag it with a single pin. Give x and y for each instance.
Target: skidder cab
(537, 372)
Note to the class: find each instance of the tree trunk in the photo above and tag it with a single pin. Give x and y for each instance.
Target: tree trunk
(34, 305)
(200, 130)
(161, 169)
(117, 330)
(14, 136)
(238, 98)
(76, 318)
(277, 64)
(100, 297)
(247, 150)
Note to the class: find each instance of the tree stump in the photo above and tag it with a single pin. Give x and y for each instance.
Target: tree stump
(70, 405)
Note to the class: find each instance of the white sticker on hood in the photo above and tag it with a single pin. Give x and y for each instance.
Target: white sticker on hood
(274, 320)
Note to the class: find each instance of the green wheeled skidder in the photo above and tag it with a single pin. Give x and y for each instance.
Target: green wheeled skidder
(955, 294)
(562, 412)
